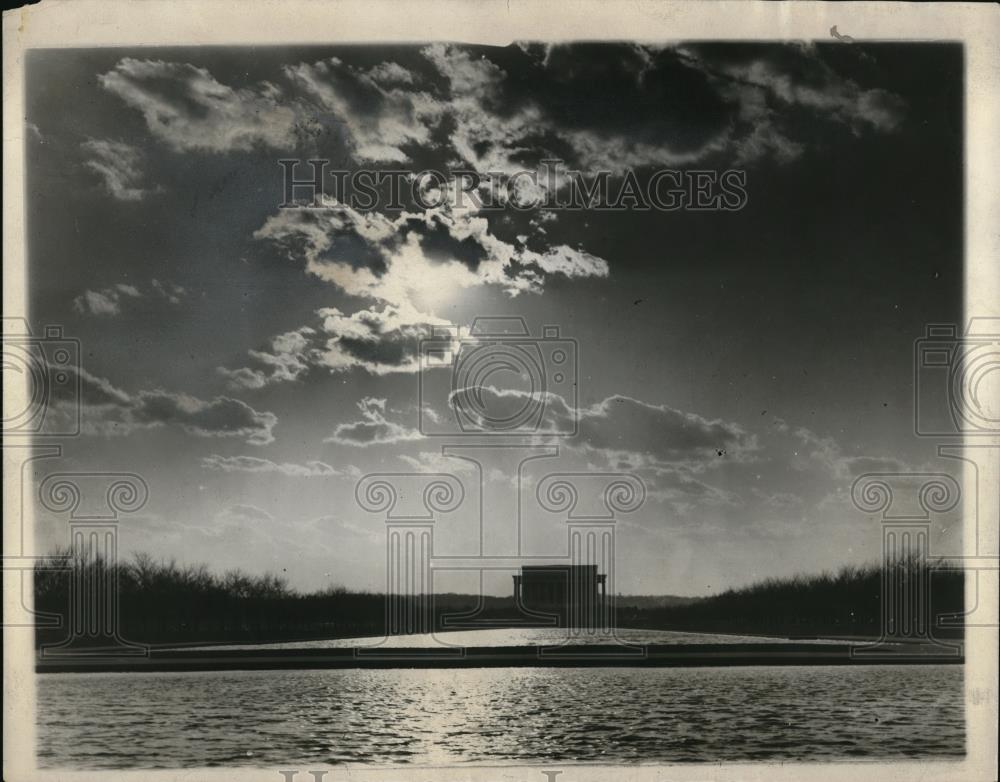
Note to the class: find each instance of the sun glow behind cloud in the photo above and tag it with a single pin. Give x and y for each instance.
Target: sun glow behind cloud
(320, 309)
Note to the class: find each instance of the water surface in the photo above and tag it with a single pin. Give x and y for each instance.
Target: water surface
(520, 636)
(520, 715)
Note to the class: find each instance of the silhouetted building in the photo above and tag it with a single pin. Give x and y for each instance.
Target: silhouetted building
(575, 593)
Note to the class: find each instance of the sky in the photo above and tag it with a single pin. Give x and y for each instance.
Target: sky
(252, 361)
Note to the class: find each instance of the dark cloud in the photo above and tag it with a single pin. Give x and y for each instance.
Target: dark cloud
(626, 430)
(396, 348)
(652, 97)
(683, 492)
(439, 243)
(105, 409)
(659, 432)
(220, 417)
(618, 105)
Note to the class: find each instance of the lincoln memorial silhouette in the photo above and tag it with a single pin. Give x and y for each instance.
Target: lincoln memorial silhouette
(574, 593)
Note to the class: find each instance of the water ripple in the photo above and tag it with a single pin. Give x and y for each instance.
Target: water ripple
(266, 718)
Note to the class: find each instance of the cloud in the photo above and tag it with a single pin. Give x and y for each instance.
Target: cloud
(108, 410)
(188, 109)
(239, 514)
(289, 357)
(120, 167)
(770, 89)
(658, 434)
(220, 417)
(609, 106)
(594, 106)
(373, 429)
(168, 290)
(377, 111)
(481, 137)
(777, 500)
(108, 301)
(435, 461)
(669, 449)
(390, 73)
(827, 454)
(821, 90)
(684, 104)
(379, 118)
(683, 493)
(627, 432)
(589, 105)
(253, 464)
(379, 340)
(249, 512)
(407, 268)
(411, 260)
(619, 106)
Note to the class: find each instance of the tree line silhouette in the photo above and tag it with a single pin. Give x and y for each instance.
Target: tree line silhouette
(846, 603)
(163, 602)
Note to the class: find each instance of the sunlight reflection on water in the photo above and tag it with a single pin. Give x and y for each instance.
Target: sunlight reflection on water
(526, 715)
(526, 636)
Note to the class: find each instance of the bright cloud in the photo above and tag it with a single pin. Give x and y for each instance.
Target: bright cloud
(253, 464)
(120, 167)
(108, 301)
(188, 109)
(373, 429)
